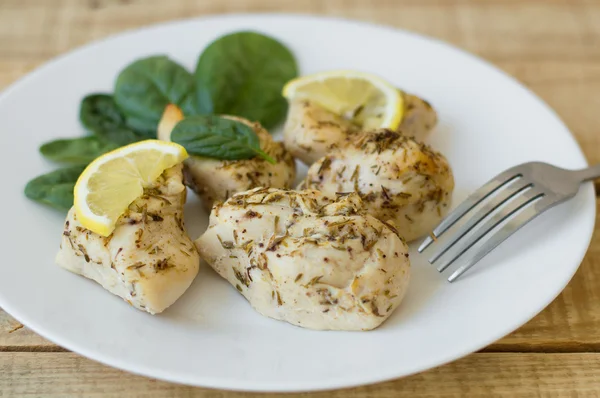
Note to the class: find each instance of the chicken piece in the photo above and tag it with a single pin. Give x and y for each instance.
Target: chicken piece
(399, 179)
(311, 132)
(419, 118)
(148, 260)
(313, 261)
(216, 180)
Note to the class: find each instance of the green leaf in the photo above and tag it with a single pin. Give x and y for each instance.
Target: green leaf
(243, 74)
(101, 116)
(217, 137)
(196, 103)
(145, 127)
(144, 88)
(80, 150)
(55, 188)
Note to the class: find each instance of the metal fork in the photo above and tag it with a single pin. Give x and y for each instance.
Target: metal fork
(514, 197)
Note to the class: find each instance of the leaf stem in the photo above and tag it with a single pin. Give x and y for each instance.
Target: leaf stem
(264, 155)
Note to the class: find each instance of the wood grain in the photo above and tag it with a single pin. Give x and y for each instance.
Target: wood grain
(552, 46)
(13, 338)
(532, 375)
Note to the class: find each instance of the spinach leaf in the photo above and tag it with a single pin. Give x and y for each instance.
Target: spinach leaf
(197, 103)
(81, 150)
(147, 128)
(217, 137)
(55, 188)
(146, 86)
(243, 74)
(100, 115)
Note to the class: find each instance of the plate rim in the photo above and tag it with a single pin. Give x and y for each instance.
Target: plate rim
(226, 384)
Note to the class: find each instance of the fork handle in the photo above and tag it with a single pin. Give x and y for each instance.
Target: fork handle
(591, 173)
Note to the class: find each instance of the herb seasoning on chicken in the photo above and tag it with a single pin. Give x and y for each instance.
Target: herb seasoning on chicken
(311, 131)
(216, 180)
(148, 260)
(419, 118)
(398, 179)
(311, 260)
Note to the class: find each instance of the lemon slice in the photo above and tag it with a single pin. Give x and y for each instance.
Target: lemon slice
(113, 181)
(363, 98)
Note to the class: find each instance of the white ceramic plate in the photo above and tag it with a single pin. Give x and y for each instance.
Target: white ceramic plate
(211, 337)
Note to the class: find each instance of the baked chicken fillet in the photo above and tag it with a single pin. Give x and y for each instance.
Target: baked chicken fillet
(149, 260)
(399, 179)
(311, 131)
(312, 260)
(216, 180)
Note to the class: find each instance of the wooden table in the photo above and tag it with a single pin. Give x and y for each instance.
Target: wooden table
(551, 46)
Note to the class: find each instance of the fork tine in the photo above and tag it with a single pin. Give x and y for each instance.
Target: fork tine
(504, 196)
(513, 207)
(510, 228)
(473, 200)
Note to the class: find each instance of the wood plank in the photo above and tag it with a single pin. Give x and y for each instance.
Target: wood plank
(533, 375)
(516, 29)
(14, 337)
